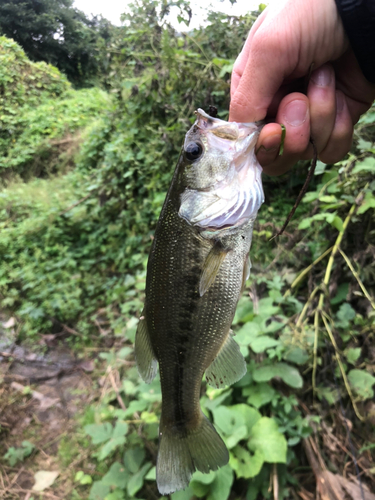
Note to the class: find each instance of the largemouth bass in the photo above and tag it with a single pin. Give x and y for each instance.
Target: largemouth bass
(196, 272)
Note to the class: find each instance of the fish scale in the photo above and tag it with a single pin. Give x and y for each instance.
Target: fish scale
(195, 275)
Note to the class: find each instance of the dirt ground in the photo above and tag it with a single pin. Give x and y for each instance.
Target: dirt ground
(40, 394)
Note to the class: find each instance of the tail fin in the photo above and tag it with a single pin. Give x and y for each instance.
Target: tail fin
(181, 453)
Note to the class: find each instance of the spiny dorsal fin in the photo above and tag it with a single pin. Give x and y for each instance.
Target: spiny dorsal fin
(144, 355)
(211, 267)
(228, 367)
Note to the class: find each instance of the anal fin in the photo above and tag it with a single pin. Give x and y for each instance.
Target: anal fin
(228, 367)
(211, 267)
(144, 355)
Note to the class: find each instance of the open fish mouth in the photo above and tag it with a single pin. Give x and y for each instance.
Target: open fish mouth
(236, 197)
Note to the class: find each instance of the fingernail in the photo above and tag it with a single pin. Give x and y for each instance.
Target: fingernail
(339, 103)
(295, 113)
(322, 76)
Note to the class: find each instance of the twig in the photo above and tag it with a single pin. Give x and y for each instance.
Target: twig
(306, 306)
(32, 492)
(355, 274)
(114, 386)
(351, 446)
(275, 483)
(326, 279)
(315, 357)
(76, 204)
(303, 190)
(70, 330)
(342, 370)
(14, 480)
(306, 271)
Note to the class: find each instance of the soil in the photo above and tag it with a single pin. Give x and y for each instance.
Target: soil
(42, 388)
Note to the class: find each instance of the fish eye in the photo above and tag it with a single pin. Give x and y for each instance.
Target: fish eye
(193, 151)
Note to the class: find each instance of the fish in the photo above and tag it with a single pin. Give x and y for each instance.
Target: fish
(196, 272)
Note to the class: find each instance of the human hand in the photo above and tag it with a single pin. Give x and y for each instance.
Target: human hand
(285, 41)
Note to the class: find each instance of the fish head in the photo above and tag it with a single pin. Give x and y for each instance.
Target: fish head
(221, 176)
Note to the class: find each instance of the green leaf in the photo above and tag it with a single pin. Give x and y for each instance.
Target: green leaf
(133, 459)
(244, 463)
(342, 292)
(236, 436)
(151, 474)
(266, 438)
(366, 165)
(186, 494)
(231, 423)
(362, 382)
(83, 478)
(320, 168)
(212, 400)
(227, 68)
(110, 446)
(220, 488)
(116, 495)
(259, 394)
(296, 355)
(249, 415)
(305, 223)
(363, 145)
(263, 342)
(330, 395)
(202, 478)
(135, 406)
(136, 482)
(328, 199)
(345, 314)
(368, 202)
(199, 489)
(338, 223)
(311, 196)
(248, 333)
(99, 432)
(117, 476)
(352, 354)
(99, 491)
(287, 373)
(244, 311)
(266, 309)
(121, 429)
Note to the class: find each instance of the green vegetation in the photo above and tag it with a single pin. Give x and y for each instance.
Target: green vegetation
(57, 33)
(84, 175)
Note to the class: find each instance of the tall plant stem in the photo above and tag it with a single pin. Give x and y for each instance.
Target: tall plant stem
(325, 284)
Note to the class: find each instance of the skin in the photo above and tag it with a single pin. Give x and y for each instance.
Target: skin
(269, 81)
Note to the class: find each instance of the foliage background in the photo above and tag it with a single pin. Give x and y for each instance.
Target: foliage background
(84, 174)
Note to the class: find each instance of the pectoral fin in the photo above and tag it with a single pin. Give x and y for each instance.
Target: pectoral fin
(211, 267)
(246, 273)
(145, 358)
(228, 367)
